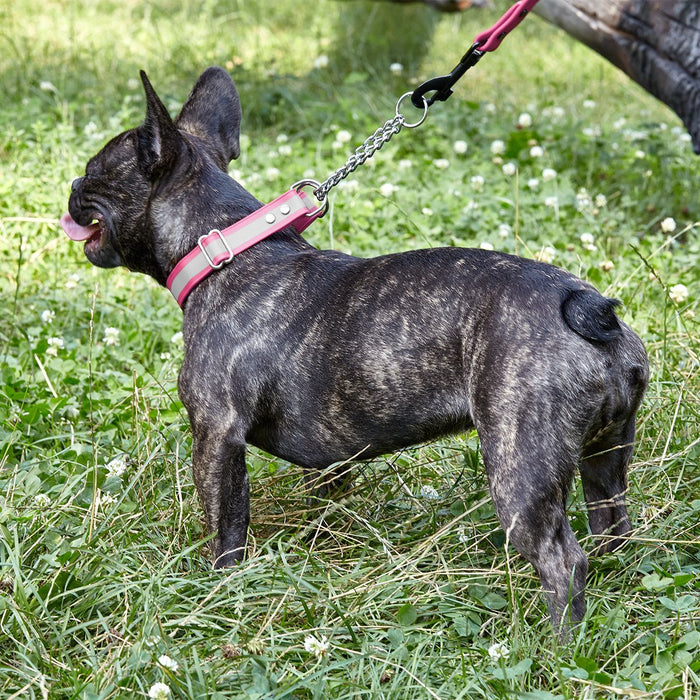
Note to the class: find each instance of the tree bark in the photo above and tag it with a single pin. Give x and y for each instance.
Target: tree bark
(655, 42)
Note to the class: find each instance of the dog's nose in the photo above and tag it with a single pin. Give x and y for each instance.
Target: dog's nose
(76, 183)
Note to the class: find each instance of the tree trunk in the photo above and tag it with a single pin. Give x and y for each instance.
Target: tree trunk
(656, 42)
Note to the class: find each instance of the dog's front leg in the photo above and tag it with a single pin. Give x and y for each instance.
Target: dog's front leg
(222, 483)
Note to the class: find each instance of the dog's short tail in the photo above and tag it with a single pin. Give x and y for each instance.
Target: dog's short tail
(591, 315)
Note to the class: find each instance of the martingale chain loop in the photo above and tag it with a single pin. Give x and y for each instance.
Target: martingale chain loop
(369, 147)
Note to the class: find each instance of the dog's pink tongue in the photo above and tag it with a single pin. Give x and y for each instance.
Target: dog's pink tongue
(75, 231)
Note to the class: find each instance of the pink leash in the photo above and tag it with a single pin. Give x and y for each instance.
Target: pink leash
(490, 39)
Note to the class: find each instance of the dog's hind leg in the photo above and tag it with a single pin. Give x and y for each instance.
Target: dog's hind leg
(221, 478)
(604, 477)
(607, 453)
(530, 479)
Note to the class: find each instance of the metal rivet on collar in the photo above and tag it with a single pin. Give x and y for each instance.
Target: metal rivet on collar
(270, 218)
(285, 209)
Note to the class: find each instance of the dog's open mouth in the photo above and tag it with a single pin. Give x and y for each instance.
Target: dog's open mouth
(90, 234)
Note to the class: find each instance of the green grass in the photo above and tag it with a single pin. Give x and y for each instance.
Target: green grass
(410, 579)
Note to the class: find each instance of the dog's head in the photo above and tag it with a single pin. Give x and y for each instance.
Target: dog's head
(151, 184)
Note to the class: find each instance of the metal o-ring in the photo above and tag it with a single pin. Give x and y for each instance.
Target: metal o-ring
(421, 120)
(323, 207)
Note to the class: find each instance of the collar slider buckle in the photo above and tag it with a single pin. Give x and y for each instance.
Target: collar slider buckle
(209, 259)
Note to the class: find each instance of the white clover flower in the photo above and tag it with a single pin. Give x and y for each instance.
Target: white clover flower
(606, 265)
(589, 104)
(166, 662)
(463, 535)
(498, 147)
(504, 230)
(485, 245)
(545, 254)
(601, 201)
(387, 189)
(685, 138)
(117, 466)
(549, 174)
(111, 336)
(177, 338)
(105, 500)
(427, 211)
(318, 647)
(272, 173)
(509, 169)
(640, 154)
(159, 691)
(525, 120)
(47, 316)
(533, 183)
(321, 61)
(282, 138)
(460, 147)
(551, 202)
(588, 241)
(536, 152)
(583, 199)
(499, 651)
(668, 225)
(405, 164)
(477, 182)
(55, 344)
(429, 492)
(591, 131)
(16, 413)
(47, 86)
(557, 112)
(678, 293)
(72, 281)
(343, 136)
(284, 150)
(396, 68)
(349, 185)
(441, 163)
(42, 501)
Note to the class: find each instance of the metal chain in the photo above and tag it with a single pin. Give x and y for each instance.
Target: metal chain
(369, 147)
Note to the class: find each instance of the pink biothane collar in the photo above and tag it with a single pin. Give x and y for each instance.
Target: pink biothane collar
(218, 248)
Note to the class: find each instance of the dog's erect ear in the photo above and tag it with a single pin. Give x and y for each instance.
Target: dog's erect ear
(158, 138)
(213, 113)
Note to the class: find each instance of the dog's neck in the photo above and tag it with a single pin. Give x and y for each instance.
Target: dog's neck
(227, 203)
(236, 228)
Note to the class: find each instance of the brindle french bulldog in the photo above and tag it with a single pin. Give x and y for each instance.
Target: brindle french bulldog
(318, 357)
